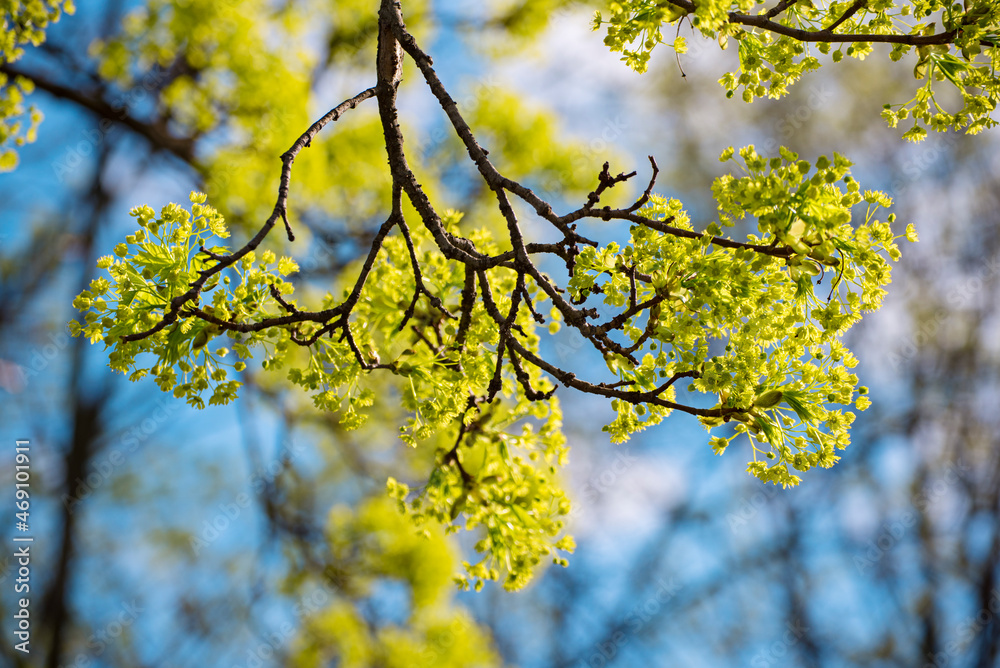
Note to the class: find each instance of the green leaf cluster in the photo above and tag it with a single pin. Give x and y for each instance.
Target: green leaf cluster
(760, 332)
(158, 263)
(21, 22)
(778, 47)
(24, 22)
(372, 544)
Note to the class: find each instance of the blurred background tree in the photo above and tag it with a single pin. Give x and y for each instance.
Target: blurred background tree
(170, 537)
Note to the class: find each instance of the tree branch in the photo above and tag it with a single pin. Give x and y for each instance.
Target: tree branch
(280, 210)
(826, 35)
(155, 133)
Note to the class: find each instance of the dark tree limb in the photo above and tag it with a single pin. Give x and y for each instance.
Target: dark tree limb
(765, 22)
(280, 210)
(511, 352)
